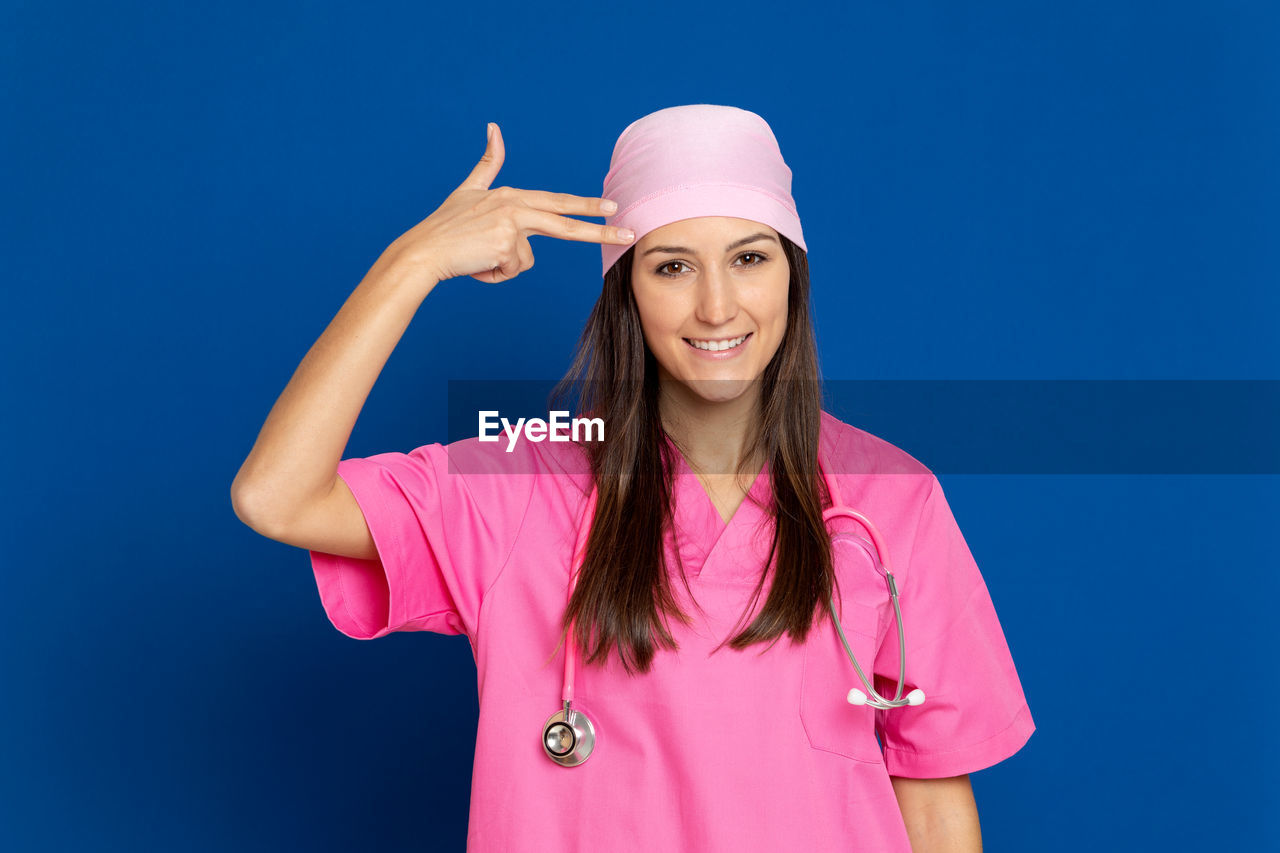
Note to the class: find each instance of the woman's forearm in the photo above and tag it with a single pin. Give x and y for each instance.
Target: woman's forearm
(941, 815)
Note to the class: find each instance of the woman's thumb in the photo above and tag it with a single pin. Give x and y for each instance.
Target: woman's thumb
(490, 163)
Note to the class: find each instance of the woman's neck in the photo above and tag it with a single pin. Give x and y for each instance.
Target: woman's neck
(713, 435)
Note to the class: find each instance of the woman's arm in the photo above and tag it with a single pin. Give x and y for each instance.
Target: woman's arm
(477, 231)
(941, 814)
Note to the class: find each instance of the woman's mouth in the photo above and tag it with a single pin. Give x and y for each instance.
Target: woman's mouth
(720, 345)
(718, 350)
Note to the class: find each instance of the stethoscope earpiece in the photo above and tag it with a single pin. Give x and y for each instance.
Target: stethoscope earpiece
(857, 697)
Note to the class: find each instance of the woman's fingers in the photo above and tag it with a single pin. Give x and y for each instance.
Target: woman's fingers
(483, 232)
(486, 171)
(549, 224)
(543, 205)
(510, 266)
(566, 203)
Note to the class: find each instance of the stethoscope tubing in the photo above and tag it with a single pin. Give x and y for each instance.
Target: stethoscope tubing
(579, 557)
(880, 559)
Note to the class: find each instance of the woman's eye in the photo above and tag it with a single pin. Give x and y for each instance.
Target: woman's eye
(759, 257)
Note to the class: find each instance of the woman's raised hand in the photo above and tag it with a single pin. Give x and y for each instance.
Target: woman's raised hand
(484, 233)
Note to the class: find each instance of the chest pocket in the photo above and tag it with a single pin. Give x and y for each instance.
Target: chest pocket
(829, 721)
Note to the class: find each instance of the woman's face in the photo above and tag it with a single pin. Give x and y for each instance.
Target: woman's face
(712, 294)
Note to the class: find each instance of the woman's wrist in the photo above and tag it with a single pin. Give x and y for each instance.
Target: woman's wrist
(407, 271)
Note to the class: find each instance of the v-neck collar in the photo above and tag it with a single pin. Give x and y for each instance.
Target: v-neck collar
(710, 547)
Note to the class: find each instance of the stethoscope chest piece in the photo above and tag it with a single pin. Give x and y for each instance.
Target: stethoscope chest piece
(568, 737)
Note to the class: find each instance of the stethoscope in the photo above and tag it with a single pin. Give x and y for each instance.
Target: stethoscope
(569, 737)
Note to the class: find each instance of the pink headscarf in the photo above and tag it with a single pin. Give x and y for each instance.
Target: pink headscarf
(698, 160)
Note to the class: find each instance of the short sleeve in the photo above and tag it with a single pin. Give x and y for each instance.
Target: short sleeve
(442, 538)
(974, 714)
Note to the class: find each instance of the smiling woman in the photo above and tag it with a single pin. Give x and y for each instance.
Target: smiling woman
(702, 561)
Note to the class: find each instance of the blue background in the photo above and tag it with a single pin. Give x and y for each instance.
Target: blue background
(1014, 190)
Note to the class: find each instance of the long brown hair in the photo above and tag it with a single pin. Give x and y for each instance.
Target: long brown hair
(623, 596)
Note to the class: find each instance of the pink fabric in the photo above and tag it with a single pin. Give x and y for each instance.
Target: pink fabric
(736, 751)
(698, 160)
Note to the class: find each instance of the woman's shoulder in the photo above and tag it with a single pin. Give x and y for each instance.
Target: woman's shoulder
(877, 477)
(850, 450)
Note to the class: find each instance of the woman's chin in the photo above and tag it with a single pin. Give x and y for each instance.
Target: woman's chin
(719, 390)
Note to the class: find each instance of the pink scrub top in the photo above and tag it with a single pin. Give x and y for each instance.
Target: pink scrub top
(734, 751)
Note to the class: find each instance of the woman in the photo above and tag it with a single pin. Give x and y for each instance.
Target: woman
(688, 684)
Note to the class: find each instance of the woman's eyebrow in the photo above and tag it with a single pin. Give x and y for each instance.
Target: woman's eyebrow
(677, 250)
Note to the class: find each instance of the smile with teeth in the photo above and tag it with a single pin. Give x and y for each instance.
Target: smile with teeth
(718, 346)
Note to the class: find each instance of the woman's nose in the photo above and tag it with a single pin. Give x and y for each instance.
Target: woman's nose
(717, 297)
